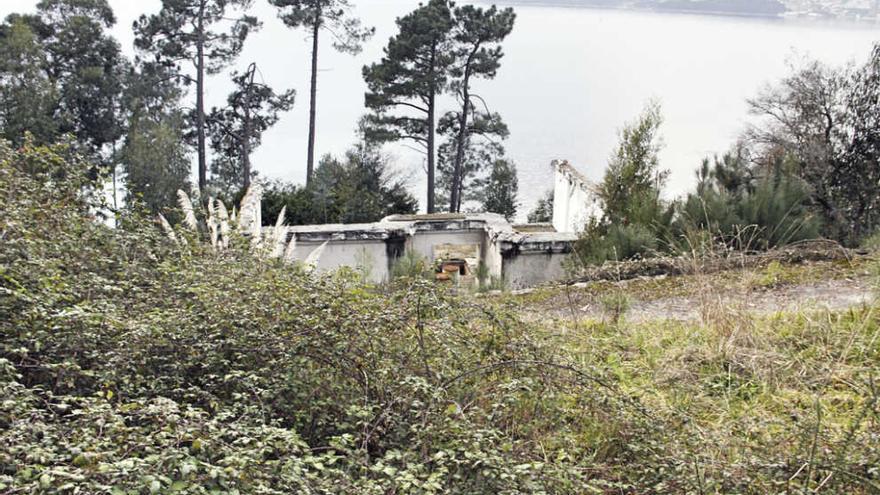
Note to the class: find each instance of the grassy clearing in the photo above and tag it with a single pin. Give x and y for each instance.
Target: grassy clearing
(768, 276)
(782, 403)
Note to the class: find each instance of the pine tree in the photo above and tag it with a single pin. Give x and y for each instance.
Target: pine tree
(237, 129)
(28, 98)
(191, 31)
(316, 15)
(483, 146)
(543, 210)
(477, 36)
(403, 87)
(154, 156)
(498, 191)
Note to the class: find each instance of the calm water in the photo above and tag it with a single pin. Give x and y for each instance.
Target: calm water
(571, 78)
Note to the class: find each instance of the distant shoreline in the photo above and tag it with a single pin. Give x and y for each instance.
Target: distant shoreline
(787, 15)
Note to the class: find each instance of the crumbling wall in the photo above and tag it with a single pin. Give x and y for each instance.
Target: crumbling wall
(574, 198)
(535, 259)
(520, 259)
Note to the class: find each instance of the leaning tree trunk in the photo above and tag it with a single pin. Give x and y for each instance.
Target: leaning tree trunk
(457, 179)
(458, 167)
(313, 97)
(200, 105)
(248, 130)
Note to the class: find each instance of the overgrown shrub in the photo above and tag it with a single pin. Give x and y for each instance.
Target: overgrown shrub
(357, 189)
(746, 207)
(635, 220)
(131, 364)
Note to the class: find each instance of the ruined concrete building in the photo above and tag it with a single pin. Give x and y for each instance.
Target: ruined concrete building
(462, 247)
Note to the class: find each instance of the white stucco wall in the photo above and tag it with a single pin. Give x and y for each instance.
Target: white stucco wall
(573, 199)
(371, 255)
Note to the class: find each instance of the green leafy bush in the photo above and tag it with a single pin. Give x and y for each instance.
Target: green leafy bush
(131, 364)
(747, 208)
(635, 220)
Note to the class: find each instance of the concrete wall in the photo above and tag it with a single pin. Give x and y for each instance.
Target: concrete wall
(574, 201)
(534, 259)
(531, 269)
(520, 258)
(372, 256)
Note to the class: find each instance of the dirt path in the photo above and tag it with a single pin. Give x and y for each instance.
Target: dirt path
(833, 295)
(836, 294)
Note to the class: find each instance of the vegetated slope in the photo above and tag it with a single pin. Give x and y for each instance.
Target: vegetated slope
(130, 364)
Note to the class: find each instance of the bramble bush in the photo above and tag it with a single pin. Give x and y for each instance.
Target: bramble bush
(131, 364)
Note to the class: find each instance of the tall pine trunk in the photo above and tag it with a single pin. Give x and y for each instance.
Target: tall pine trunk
(313, 96)
(457, 179)
(200, 103)
(248, 130)
(458, 167)
(431, 137)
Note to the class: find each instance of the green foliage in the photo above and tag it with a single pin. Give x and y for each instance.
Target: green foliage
(633, 177)
(615, 305)
(332, 15)
(543, 211)
(482, 148)
(131, 364)
(498, 191)
(872, 242)
(201, 34)
(441, 48)
(746, 208)
(635, 220)
(476, 51)
(411, 266)
(824, 119)
(358, 190)
(236, 130)
(773, 275)
(156, 165)
(28, 97)
(62, 73)
(402, 88)
(600, 243)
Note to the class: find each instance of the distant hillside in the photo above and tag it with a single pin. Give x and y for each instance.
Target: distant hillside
(727, 7)
(733, 7)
